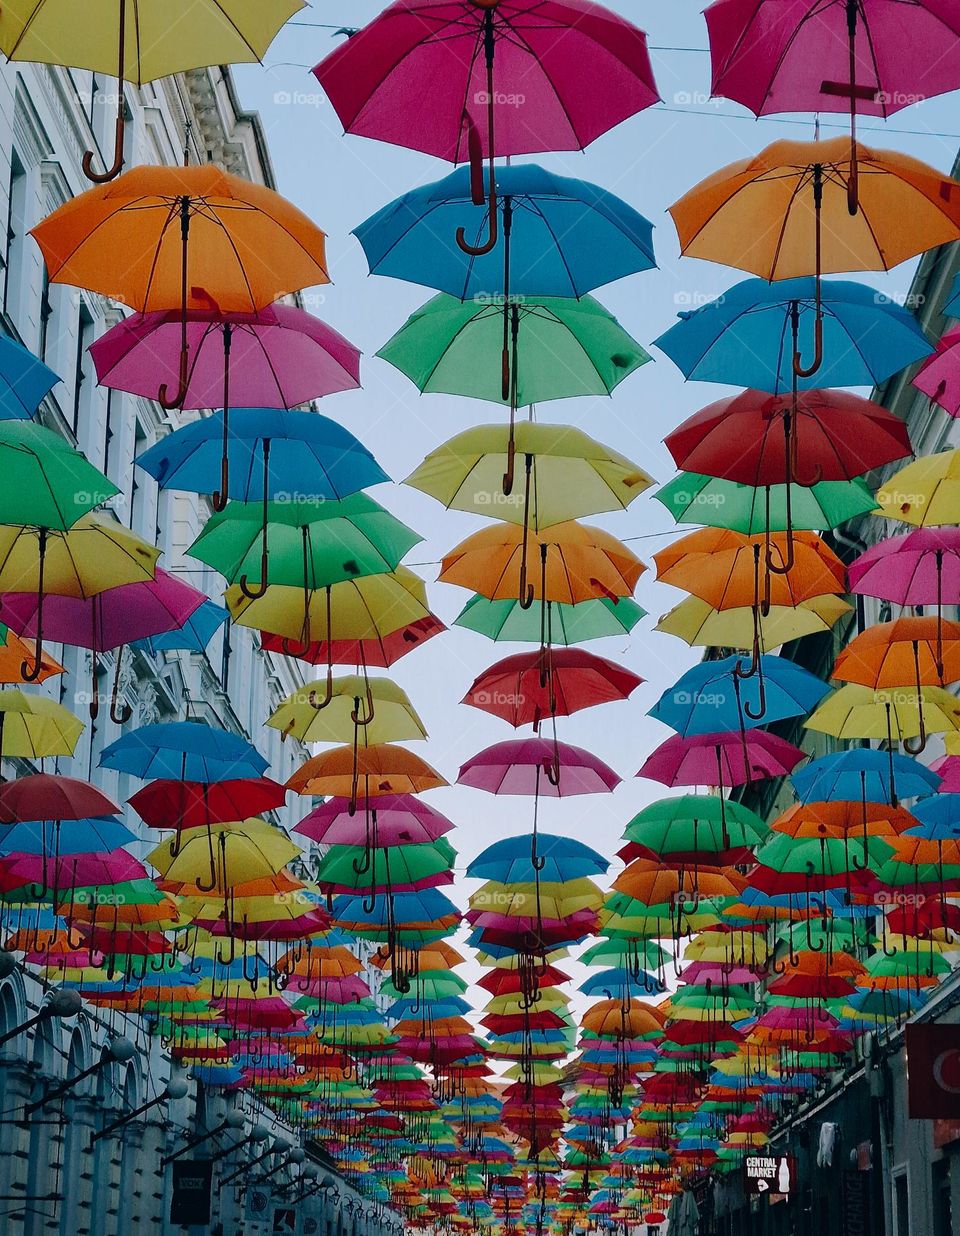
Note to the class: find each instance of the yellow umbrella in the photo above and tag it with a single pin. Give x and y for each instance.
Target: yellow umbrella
(697, 623)
(926, 493)
(139, 40)
(389, 716)
(224, 855)
(33, 726)
(549, 900)
(896, 714)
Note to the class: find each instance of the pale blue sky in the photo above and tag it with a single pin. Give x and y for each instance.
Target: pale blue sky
(650, 161)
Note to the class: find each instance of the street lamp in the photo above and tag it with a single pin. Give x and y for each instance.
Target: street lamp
(280, 1147)
(62, 1003)
(176, 1088)
(258, 1133)
(234, 1119)
(117, 1051)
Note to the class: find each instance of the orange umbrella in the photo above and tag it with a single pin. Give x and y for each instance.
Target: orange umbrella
(908, 652)
(16, 651)
(784, 213)
(577, 563)
(183, 237)
(613, 1019)
(840, 818)
(380, 769)
(651, 883)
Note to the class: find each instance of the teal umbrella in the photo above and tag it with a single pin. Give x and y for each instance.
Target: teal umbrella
(566, 624)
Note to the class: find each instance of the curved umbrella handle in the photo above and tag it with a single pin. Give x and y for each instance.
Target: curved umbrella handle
(219, 497)
(208, 888)
(255, 593)
(762, 697)
(164, 398)
(120, 711)
(801, 370)
(27, 672)
(371, 709)
(526, 590)
(101, 178)
(507, 482)
(476, 155)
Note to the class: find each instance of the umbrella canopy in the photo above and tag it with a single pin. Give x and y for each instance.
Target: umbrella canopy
(694, 498)
(924, 493)
(526, 688)
(183, 750)
(508, 621)
(515, 768)
(34, 727)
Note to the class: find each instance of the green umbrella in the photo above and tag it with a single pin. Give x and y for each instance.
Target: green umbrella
(47, 484)
(403, 865)
(693, 498)
(695, 823)
(309, 544)
(567, 624)
(563, 348)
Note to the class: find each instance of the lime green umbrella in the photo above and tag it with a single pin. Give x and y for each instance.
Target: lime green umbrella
(695, 823)
(694, 498)
(566, 624)
(378, 868)
(304, 543)
(562, 348)
(46, 482)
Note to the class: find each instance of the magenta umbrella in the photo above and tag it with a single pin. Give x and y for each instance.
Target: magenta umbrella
(535, 767)
(939, 375)
(391, 820)
(108, 620)
(947, 767)
(871, 57)
(280, 357)
(506, 77)
(722, 760)
(920, 568)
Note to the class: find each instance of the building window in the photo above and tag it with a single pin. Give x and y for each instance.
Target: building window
(942, 1208)
(82, 379)
(901, 1204)
(16, 231)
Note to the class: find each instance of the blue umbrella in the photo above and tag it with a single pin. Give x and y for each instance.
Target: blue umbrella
(952, 307)
(863, 775)
(611, 983)
(710, 698)
(184, 751)
(193, 636)
(309, 456)
(449, 1006)
(745, 336)
(94, 836)
(25, 381)
(562, 237)
(509, 861)
(939, 818)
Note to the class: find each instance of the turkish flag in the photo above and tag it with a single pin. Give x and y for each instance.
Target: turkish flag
(933, 1071)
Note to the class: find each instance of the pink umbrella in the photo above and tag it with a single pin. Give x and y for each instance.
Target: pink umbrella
(921, 568)
(280, 357)
(505, 77)
(719, 975)
(392, 820)
(108, 620)
(939, 376)
(73, 870)
(871, 57)
(722, 760)
(535, 766)
(948, 768)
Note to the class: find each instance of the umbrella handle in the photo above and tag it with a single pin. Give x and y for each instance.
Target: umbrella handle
(371, 709)
(255, 593)
(28, 673)
(100, 178)
(163, 396)
(507, 483)
(476, 155)
(921, 741)
(527, 592)
(219, 497)
(762, 697)
(319, 705)
(799, 370)
(120, 711)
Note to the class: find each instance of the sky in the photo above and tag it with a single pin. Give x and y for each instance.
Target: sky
(650, 161)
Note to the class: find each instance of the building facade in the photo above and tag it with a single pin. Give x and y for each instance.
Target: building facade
(59, 1171)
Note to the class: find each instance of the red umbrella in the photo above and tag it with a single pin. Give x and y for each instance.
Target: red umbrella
(46, 796)
(196, 804)
(379, 653)
(553, 682)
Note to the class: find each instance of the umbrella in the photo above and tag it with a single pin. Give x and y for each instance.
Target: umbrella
(277, 358)
(25, 381)
(14, 652)
(694, 498)
(154, 45)
(161, 237)
(531, 766)
(309, 543)
(44, 796)
(508, 621)
(388, 714)
(758, 214)
(185, 751)
(379, 770)
(106, 620)
(749, 335)
(389, 820)
(33, 727)
(701, 625)
(868, 58)
(376, 650)
(195, 804)
(194, 636)
(566, 237)
(477, 57)
(924, 493)
(863, 774)
(94, 555)
(50, 483)
(938, 375)
(526, 688)
(727, 758)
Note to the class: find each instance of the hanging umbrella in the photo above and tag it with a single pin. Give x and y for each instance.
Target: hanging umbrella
(394, 819)
(476, 58)
(701, 625)
(307, 543)
(25, 381)
(856, 711)
(925, 492)
(536, 766)
(185, 751)
(94, 555)
(194, 636)
(35, 727)
(833, 58)
(388, 713)
(566, 237)
(862, 774)
(749, 335)
(166, 237)
(14, 652)
(527, 688)
(378, 770)
(378, 650)
(196, 804)
(44, 796)
(508, 621)
(694, 498)
(938, 375)
(107, 620)
(727, 758)
(139, 42)
(50, 483)
(274, 359)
